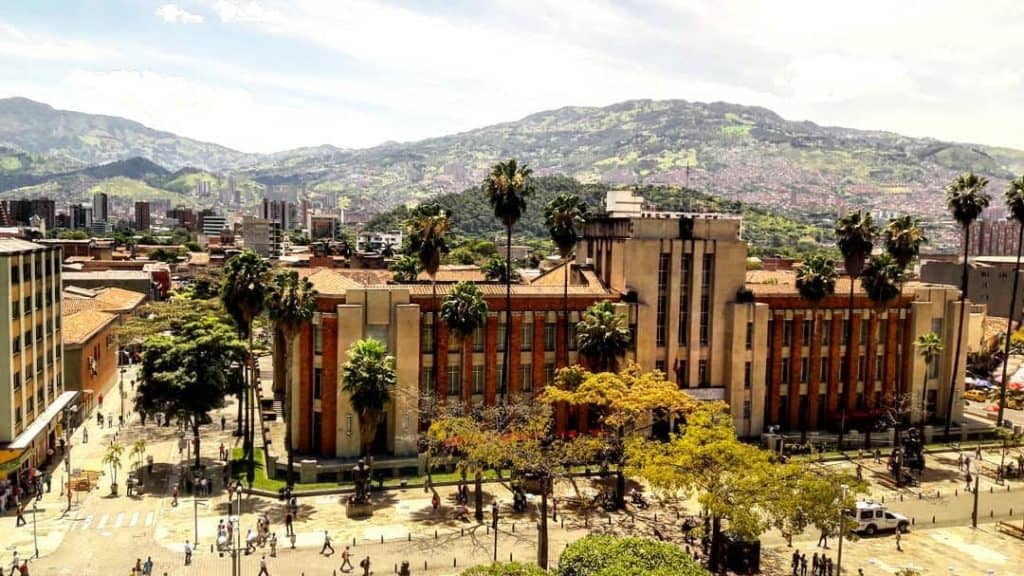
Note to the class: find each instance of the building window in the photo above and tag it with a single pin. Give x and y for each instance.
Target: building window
(746, 409)
(861, 372)
(806, 336)
(879, 366)
(706, 276)
(17, 415)
(26, 305)
(823, 373)
(526, 335)
(662, 299)
(864, 330)
(937, 326)
(454, 380)
(846, 332)
(16, 343)
(844, 368)
(659, 365)
(549, 337)
(682, 374)
(478, 379)
(15, 310)
(427, 336)
(318, 339)
(526, 378)
(933, 368)
(805, 369)
(479, 340)
(883, 331)
(15, 274)
(317, 387)
(501, 337)
(748, 375)
(549, 374)
(826, 332)
(771, 333)
(17, 380)
(750, 335)
(502, 388)
(427, 379)
(684, 299)
(703, 378)
(787, 333)
(785, 370)
(572, 336)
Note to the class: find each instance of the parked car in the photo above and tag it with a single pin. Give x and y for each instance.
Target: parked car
(872, 517)
(976, 395)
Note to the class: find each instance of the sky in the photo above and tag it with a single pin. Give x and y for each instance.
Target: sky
(271, 75)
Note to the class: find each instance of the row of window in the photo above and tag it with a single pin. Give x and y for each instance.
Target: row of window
(825, 364)
(806, 328)
(525, 337)
(683, 373)
(43, 262)
(706, 287)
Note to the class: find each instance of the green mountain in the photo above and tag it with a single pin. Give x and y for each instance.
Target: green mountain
(37, 128)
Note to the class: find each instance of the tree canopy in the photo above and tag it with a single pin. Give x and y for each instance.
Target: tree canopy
(607, 555)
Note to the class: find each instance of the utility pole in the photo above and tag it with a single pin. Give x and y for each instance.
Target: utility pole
(977, 478)
(842, 526)
(494, 525)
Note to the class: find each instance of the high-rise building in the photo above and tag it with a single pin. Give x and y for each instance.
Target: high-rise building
(100, 207)
(186, 217)
(142, 223)
(262, 235)
(22, 211)
(80, 217)
(32, 394)
(282, 211)
(323, 226)
(212, 225)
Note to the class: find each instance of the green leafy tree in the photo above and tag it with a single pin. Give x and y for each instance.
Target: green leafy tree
(881, 280)
(187, 374)
(427, 229)
(608, 555)
(602, 335)
(291, 303)
(903, 237)
(464, 311)
(505, 569)
(507, 188)
(855, 236)
(815, 280)
(369, 379)
(565, 216)
(243, 292)
(497, 270)
(966, 199)
(929, 346)
(1014, 196)
(406, 268)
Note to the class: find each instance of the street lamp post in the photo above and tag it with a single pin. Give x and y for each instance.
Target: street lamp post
(977, 478)
(67, 448)
(842, 530)
(120, 387)
(494, 525)
(35, 537)
(237, 557)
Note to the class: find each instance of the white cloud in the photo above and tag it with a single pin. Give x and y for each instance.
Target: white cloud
(175, 14)
(21, 44)
(242, 11)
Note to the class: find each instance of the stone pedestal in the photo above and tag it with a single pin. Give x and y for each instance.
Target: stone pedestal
(307, 471)
(360, 510)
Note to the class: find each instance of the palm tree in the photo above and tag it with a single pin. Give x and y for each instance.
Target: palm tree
(881, 280)
(497, 270)
(602, 335)
(243, 292)
(966, 199)
(112, 458)
(138, 455)
(1015, 203)
(291, 303)
(464, 311)
(369, 379)
(507, 187)
(815, 281)
(565, 216)
(406, 268)
(929, 346)
(903, 237)
(428, 225)
(855, 236)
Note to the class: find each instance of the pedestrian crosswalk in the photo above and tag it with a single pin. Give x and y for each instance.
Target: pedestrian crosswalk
(113, 521)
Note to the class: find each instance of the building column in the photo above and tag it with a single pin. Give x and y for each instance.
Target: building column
(870, 353)
(835, 378)
(349, 331)
(853, 362)
(492, 363)
(304, 425)
(405, 402)
(441, 363)
(795, 361)
(515, 360)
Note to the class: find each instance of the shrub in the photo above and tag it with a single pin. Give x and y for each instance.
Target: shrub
(601, 555)
(505, 569)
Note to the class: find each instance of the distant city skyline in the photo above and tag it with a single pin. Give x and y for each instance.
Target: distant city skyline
(278, 74)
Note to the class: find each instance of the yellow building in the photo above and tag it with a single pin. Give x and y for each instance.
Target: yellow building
(31, 362)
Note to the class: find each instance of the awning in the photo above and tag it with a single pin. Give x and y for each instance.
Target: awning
(25, 439)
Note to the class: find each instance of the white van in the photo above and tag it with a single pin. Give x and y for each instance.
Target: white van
(872, 517)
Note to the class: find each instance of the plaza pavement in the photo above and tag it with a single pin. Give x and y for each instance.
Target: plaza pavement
(103, 535)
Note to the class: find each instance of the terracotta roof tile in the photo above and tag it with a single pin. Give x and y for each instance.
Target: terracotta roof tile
(80, 326)
(456, 273)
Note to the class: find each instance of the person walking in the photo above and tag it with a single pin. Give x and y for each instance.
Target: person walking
(223, 422)
(327, 544)
(969, 480)
(273, 545)
(288, 523)
(292, 538)
(794, 563)
(188, 553)
(346, 561)
(147, 566)
(21, 516)
(365, 565)
(263, 567)
(803, 565)
(899, 539)
(174, 496)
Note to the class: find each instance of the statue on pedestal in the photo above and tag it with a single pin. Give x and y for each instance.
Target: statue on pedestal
(362, 483)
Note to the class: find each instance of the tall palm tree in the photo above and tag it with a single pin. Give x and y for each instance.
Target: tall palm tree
(565, 216)
(855, 236)
(929, 346)
(243, 292)
(602, 335)
(903, 237)
(464, 311)
(291, 302)
(1015, 203)
(966, 199)
(507, 187)
(881, 279)
(369, 379)
(815, 281)
(428, 227)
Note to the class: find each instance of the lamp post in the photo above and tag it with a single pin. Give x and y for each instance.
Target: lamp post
(977, 478)
(67, 448)
(236, 554)
(35, 537)
(842, 532)
(120, 387)
(494, 525)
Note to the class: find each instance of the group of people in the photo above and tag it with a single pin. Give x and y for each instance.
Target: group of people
(821, 565)
(143, 568)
